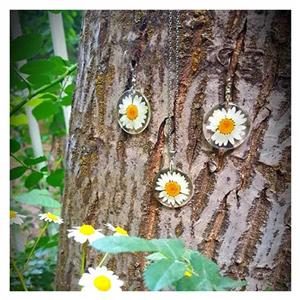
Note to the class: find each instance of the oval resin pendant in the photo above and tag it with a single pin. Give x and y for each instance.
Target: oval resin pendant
(133, 112)
(226, 127)
(173, 188)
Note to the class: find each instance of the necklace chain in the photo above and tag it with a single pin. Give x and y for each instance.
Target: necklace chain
(173, 78)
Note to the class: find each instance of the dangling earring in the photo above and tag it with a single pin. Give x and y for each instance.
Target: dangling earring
(173, 188)
(226, 126)
(133, 108)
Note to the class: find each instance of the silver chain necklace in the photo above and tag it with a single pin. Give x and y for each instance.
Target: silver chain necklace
(173, 188)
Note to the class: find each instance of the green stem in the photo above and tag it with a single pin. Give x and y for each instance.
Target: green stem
(35, 244)
(20, 275)
(43, 88)
(28, 84)
(23, 164)
(103, 259)
(83, 256)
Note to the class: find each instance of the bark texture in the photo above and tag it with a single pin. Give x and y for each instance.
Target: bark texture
(240, 212)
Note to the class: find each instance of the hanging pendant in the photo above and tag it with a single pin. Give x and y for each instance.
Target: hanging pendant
(226, 126)
(133, 111)
(173, 188)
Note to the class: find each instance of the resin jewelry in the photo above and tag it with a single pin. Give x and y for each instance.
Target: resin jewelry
(133, 109)
(226, 126)
(173, 188)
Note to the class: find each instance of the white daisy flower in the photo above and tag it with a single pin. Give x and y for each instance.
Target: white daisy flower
(16, 218)
(173, 188)
(133, 111)
(227, 125)
(118, 231)
(100, 280)
(85, 233)
(51, 218)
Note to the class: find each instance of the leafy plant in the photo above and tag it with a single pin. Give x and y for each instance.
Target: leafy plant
(171, 265)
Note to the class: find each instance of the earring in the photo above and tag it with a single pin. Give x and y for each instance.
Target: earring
(226, 126)
(133, 108)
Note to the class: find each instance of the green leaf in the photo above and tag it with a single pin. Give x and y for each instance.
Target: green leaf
(33, 179)
(163, 273)
(171, 248)
(155, 256)
(45, 109)
(70, 89)
(39, 198)
(54, 66)
(25, 46)
(56, 178)
(66, 100)
(18, 120)
(37, 66)
(14, 146)
(206, 276)
(34, 161)
(17, 172)
(40, 98)
(38, 80)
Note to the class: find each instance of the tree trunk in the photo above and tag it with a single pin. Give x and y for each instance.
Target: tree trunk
(240, 211)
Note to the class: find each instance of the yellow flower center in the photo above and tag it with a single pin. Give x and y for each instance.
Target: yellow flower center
(188, 274)
(87, 229)
(226, 126)
(12, 214)
(172, 188)
(120, 230)
(102, 283)
(52, 217)
(132, 112)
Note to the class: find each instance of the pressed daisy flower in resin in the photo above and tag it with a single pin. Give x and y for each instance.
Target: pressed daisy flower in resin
(16, 218)
(173, 188)
(100, 280)
(118, 231)
(49, 217)
(226, 127)
(85, 233)
(133, 112)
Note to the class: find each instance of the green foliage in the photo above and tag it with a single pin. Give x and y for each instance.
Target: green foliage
(45, 110)
(206, 276)
(34, 161)
(56, 178)
(40, 272)
(25, 46)
(168, 263)
(163, 273)
(38, 197)
(39, 83)
(17, 172)
(168, 247)
(17, 120)
(33, 179)
(14, 146)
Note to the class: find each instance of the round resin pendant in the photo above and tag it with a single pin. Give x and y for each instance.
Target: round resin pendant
(133, 112)
(226, 127)
(173, 188)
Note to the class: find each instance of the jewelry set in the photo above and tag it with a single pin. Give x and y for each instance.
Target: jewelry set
(225, 127)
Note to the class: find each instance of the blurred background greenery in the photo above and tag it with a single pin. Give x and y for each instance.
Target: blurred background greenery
(44, 49)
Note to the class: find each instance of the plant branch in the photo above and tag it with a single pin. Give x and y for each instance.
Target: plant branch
(20, 275)
(43, 88)
(23, 164)
(35, 244)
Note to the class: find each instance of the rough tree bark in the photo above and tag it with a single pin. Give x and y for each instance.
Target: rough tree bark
(240, 212)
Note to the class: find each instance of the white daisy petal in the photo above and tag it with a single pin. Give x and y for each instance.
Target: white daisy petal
(100, 279)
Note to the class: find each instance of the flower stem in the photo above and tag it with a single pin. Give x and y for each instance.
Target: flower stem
(103, 259)
(35, 244)
(83, 256)
(20, 275)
